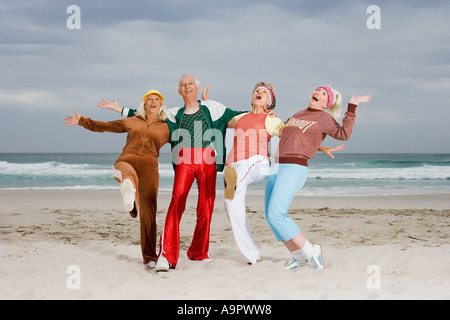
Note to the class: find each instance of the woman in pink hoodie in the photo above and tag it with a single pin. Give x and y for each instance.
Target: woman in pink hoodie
(300, 139)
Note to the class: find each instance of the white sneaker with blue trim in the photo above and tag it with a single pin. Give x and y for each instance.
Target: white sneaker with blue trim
(291, 264)
(316, 260)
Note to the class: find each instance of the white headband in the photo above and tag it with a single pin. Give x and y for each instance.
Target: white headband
(269, 92)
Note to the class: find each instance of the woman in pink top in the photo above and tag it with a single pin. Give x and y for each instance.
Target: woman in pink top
(300, 139)
(248, 162)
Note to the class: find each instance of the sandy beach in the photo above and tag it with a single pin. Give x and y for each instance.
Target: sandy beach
(83, 245)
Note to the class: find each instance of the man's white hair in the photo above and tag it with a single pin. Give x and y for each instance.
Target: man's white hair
(187, 75)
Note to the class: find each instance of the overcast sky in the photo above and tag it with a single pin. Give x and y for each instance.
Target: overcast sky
(125, 48)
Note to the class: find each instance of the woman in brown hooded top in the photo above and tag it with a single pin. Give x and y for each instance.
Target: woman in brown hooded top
(136, 169)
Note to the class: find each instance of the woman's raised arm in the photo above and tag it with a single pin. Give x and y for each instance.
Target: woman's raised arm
(72, 120)
(110, 105)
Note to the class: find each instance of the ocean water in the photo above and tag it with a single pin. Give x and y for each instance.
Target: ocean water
(347, 174)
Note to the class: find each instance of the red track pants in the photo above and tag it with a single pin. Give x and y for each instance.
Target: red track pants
(198, 164)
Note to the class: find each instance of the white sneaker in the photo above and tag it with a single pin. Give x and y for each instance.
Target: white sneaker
(316, 260)
(291, 264)
(162, 264)
(128, 197)
(294, 264)
(151, 265)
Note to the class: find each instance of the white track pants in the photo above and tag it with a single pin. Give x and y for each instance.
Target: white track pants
(250, 170)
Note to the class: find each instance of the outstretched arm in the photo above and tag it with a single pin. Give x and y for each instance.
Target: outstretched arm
(118, 126)
(116, 107)
(344, 131)
(72, 120)
(357, 100)
(232, 122)
(329, 151)
(110, 105)
(205, 93)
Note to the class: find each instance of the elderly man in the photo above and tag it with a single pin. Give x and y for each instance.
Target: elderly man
(198, 152)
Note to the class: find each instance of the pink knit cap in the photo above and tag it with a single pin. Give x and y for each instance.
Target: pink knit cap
(330, 95)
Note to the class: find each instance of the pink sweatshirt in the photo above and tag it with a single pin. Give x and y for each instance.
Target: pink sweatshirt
(306, 130)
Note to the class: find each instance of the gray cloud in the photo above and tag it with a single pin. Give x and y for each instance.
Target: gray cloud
(125, 48)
